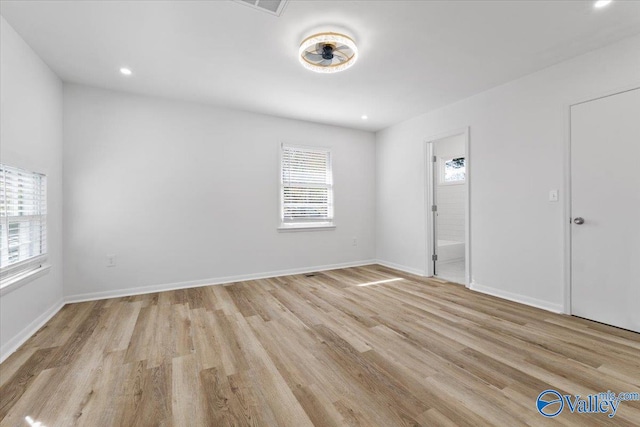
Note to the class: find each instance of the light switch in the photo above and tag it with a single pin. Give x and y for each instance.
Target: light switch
(111, 260)
(553, 195)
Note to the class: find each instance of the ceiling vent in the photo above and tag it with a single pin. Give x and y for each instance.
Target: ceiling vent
(273, 7)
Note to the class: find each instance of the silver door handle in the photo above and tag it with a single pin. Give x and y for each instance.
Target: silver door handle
(578, 221)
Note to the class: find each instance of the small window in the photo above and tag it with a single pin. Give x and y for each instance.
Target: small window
(453, 170)
(23, 222)
(307, 187)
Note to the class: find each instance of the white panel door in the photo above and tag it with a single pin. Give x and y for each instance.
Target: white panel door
(605, 194)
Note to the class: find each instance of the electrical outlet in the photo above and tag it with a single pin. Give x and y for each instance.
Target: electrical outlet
(355, 241)
(111, 260)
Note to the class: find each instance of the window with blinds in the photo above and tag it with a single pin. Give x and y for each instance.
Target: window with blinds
(23, 221)
(307, 187)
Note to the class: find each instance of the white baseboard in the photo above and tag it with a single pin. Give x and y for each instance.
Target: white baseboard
(92, 296)
(523, 299)
(14, 343)
(404, 268)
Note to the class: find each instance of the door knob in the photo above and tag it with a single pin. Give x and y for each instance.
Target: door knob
(578, 221)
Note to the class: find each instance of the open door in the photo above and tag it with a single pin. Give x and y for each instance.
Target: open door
(449, 208)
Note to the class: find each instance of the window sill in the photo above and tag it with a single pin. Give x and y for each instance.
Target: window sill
(306, 227)
(13, 283)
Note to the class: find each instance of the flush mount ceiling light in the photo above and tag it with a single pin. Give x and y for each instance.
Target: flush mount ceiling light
(328, 52)
(125, 71)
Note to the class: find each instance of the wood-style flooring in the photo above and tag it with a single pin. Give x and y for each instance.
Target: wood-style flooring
(366, 346)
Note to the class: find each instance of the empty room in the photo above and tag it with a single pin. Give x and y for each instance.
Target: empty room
(319, 213)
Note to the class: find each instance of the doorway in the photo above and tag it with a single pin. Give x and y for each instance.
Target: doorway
(605, 210)
(449, 207)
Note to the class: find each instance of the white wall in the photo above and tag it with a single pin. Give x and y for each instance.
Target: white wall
(182, 192)
(31, 138)
(450, 197)
(517, 150)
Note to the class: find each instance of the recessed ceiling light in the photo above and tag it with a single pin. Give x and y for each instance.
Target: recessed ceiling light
(601, 3)
(125, 71)
(364, 117)
(328, 52)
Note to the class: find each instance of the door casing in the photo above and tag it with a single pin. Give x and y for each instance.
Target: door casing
(429, 199)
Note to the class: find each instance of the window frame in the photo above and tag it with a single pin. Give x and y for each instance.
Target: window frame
(310, 225)
(23, 271)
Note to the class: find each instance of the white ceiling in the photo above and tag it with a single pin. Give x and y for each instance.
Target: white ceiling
(415, 56)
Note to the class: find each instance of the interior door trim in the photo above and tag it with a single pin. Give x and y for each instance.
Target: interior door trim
(428, 199)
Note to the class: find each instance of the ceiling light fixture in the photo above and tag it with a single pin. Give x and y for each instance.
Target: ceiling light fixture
(328, 52)
(601, 3)
(364, 117)
(125, 71)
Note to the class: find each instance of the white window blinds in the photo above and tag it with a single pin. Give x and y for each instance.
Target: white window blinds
(307, 185)
(23, 220)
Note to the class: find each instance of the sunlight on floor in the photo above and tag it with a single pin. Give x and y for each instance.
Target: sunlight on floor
(33, 423)
(380, 282)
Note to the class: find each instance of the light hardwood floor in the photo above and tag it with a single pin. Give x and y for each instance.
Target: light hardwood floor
(365, 346)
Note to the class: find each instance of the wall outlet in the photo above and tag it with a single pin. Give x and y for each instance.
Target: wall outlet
(355, 241)
(553, 195)
(111, 260)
